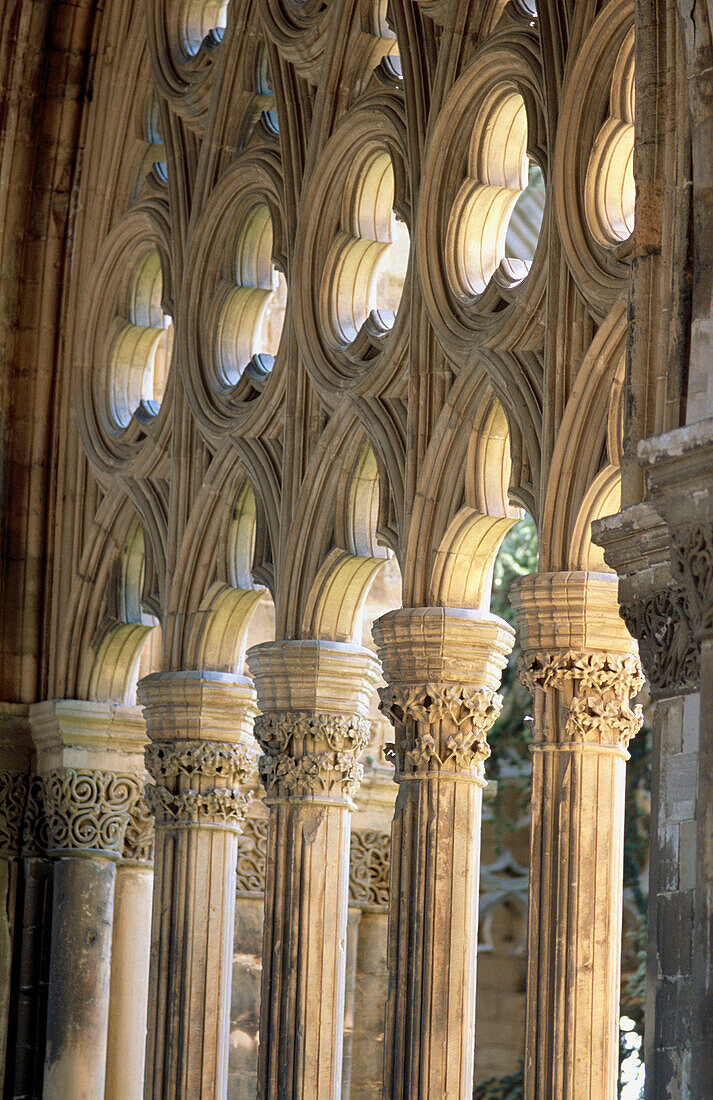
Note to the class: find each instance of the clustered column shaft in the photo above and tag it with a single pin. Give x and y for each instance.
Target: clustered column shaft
(442, 668)
(201, 754)
(314, 697)
(582, 667)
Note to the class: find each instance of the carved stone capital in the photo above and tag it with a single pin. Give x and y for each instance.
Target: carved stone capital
(309, 755)
(88, 811)
(13, 796)
(369, 866)
(315, 697)
(440, 727)
(443, 668)
(670, 654)
(596, 689)
(201, 751)
(654, 605)
(139, 834)
(680, 474)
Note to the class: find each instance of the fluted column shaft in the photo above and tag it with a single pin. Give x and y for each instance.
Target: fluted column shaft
(442, 668)
(201, 753)
(130, 951)
(314, 697)
(582, 668)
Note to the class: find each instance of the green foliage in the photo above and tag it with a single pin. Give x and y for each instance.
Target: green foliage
(510, 1087)
(510, 736)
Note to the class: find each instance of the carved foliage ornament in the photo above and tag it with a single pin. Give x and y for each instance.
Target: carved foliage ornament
(669, 652)
(692, 562)
(311, 755)
(439, 726)
(174, 762)
(602, 684)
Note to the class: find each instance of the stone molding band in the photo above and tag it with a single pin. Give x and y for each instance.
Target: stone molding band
(601, 684)
(457, 719)
(310, 755)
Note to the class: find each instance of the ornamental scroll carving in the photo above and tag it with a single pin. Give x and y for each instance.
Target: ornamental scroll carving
(669, 652)
(439, 726)
(139, 835)
(35, 831)
(252, 857)
(311, 755)
(602, 685)
(369, 863)
(89, 810)
(13, 795)
(692, 564)
(200, 762)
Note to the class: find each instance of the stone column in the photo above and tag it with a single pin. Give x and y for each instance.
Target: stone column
(353, 920)
(680, 465)
(656, 610)
(314, 697)
(442, 668)
(84, 755)
(14, 775)
(201, 754)
(131, 942)
(581, 665)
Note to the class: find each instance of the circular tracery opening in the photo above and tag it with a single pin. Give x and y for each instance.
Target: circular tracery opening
(200, 17)
(141, 343)
(366, 265)
(609, 189)
(497, 214)
(251, 308)
(264, 89)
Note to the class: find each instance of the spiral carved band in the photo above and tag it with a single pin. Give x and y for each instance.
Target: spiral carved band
(669, 652)
(602, 685)
(310, 755)
(440, 727)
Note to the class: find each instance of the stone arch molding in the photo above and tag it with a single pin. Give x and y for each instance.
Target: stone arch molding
(487, 140)
(125, 379)
(592, 180)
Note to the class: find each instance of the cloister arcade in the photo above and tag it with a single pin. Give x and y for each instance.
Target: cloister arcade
(305, 305)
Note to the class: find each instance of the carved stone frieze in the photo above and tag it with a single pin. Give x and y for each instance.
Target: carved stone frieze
(89, 810)
(439, 725)
(600, 685)
(139, 835)
(252, 857)
(692, 565)
(35, 831)
(13, 795)
(670, 654)
(311, 755)
(369, 864)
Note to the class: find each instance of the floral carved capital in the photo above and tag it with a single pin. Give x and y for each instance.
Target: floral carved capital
(599, 685)
(669, 652)
(439, 726)
(198, 782)
(310, 755)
